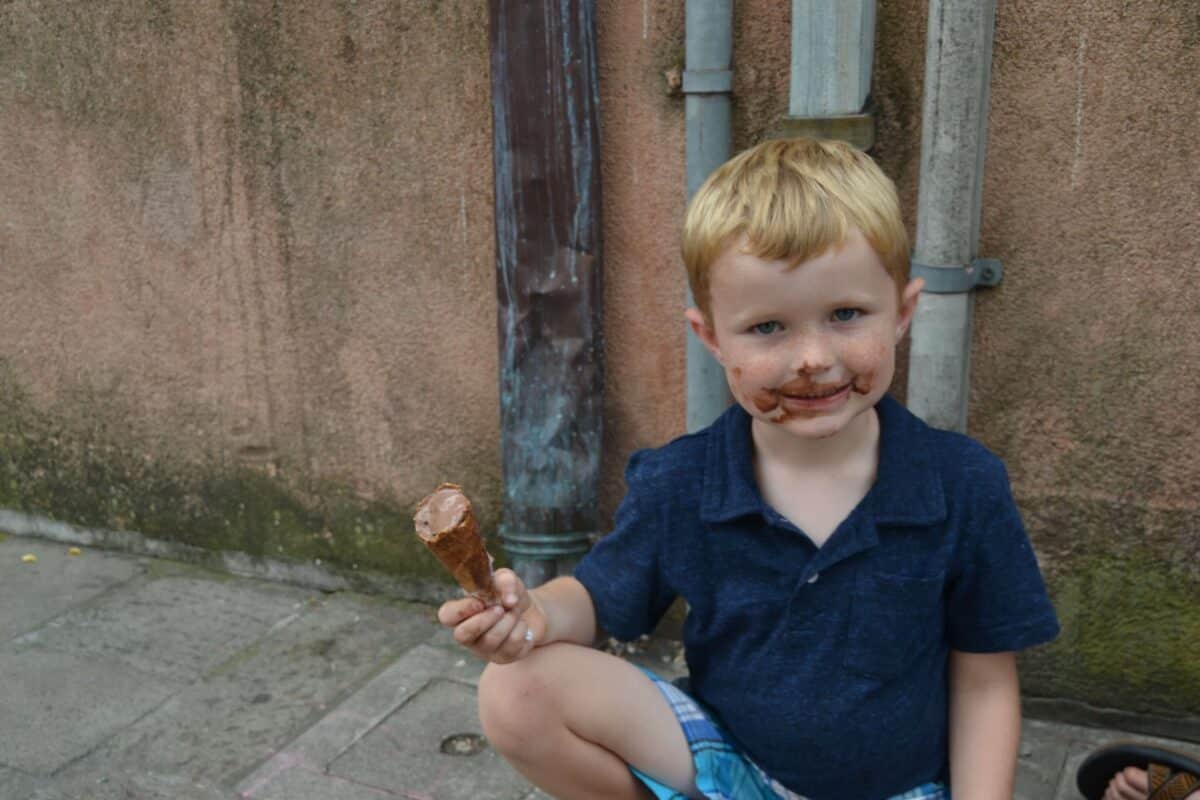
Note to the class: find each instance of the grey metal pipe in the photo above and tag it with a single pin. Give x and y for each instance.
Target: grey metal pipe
(707, 83)
(958, 63)
(833, 47)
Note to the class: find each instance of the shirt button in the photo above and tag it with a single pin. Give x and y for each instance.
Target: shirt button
(814, 577)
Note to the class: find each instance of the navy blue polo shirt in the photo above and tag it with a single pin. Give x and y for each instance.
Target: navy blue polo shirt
(827, 666)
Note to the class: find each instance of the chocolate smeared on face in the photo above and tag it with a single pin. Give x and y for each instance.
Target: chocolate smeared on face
(804, 387)
(766, 400)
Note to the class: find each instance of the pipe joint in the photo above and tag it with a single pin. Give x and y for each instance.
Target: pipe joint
(708, 81)
(546, 546)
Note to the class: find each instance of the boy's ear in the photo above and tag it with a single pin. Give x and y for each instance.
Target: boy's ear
(908, 306)
(703, 331)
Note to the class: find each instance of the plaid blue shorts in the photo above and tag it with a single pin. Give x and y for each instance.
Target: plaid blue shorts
(724, 773)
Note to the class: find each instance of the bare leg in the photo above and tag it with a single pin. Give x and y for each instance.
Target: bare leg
(571, 719)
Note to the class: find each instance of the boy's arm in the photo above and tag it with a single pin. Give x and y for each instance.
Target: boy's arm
(567, 611)
(985, 725)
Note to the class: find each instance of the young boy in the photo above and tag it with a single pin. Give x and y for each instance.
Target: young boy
(856, 582)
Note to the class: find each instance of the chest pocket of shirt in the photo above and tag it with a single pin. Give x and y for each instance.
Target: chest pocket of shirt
(893, 619)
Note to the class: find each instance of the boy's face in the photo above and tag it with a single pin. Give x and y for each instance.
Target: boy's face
(808, 348)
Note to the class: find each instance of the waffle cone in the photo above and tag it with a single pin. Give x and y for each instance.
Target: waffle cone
(446, 523)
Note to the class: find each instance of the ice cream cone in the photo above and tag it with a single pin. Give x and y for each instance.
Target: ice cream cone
(446, 524)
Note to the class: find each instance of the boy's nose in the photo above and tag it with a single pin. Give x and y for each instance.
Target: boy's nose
(812, 356)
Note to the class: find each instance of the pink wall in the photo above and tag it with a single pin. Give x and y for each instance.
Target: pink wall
(235, 241)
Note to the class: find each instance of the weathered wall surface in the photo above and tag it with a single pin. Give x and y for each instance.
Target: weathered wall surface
(1082, 375)
(1085, 375)
(247, 296)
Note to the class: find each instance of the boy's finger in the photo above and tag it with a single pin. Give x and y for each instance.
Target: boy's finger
(476, 626)
(519, 642)
(509, 586)
(494, 639)
(453, 612)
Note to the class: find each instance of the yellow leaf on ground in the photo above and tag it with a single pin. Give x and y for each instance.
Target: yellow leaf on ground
(74, 551)
(29, 558)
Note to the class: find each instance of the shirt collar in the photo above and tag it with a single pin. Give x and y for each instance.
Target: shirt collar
(730, 489)
(907, 490)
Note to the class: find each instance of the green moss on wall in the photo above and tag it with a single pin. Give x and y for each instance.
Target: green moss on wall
(102, 476)
(1130, 628)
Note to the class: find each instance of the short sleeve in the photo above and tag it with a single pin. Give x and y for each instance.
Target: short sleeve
(997, 598)
(622, 573)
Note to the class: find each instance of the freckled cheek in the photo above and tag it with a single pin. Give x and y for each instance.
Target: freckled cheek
(749, 380)
(866, 356)
(867, 361)
(751, 372)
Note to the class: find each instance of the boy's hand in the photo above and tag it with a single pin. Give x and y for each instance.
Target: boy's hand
(500, 633)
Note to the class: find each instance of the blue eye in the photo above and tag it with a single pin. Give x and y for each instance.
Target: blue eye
(767, 328)
(846, 314)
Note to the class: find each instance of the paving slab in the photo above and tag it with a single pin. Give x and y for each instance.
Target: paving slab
(245, 709)
(146, 786)
(175, 627)
(431, 747)
(36, 593)
(57, 707)
(1041, 756)
(303, 782)
(370, 718)
(15, 784)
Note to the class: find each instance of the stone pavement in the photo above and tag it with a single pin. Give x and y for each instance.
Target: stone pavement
(131, 678)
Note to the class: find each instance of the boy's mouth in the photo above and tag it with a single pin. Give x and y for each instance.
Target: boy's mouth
(802, 397)
(797, 390)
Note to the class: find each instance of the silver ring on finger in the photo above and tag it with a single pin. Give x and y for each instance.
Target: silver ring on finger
(515, 645)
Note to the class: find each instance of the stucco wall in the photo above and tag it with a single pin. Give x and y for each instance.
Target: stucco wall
(1085, 360)
(247, 296)
(1082, 374)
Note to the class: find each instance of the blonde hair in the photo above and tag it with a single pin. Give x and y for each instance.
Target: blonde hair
(792, 199)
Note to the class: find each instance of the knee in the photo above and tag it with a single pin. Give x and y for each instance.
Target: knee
(517, 705)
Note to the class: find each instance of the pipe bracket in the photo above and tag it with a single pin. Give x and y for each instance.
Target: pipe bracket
(545, 546)
(707, 81)
(981, 273)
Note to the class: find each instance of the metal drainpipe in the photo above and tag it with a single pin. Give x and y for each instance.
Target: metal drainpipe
(833, 47)
(707, 83)
(958, 59)
(546, 161)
